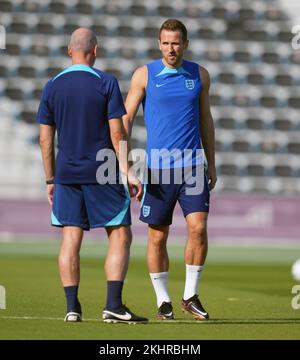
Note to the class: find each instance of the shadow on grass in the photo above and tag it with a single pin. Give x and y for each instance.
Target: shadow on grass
(288, 321)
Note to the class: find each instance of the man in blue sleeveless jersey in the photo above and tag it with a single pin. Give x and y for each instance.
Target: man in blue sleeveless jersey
(84, 105)
(175, 97)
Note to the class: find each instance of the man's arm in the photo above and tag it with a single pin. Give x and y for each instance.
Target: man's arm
(47, 133)
(135, 97)
(118, 134)
(207, 128)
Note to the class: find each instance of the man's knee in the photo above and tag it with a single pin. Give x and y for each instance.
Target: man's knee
(120, 234)
(126, 238)
(198, 230)
(68, 258)
(158, 237)
(72, 235)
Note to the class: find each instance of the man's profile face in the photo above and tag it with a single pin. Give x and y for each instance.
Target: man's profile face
(172, 47)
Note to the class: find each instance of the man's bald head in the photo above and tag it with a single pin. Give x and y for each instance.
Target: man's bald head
(83, 40)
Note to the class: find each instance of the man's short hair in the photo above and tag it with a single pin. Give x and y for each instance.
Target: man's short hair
(174, 25)
(83, 40)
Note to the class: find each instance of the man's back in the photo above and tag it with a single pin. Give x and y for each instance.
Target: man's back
(79, 101)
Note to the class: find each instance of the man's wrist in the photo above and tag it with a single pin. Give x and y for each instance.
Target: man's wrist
(50, 181)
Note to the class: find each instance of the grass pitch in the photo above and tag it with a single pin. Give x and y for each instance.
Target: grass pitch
(247, 292)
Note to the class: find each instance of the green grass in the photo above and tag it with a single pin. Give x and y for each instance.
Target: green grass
(246, 290)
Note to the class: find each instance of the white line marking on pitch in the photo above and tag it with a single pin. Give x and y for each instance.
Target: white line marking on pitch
(182, 321)
(85, 319)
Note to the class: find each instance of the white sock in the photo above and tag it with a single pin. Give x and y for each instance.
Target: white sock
(160, 284)
(192, 278)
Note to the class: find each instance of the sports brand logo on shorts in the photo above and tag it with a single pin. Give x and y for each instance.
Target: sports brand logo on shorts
(146, 210)
(189, 84)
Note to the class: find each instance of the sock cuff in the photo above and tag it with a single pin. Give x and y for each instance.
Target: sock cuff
(71, 290)
(159, 275)
(194, 268)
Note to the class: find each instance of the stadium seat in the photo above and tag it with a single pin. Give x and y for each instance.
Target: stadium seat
(226, 122)
(294, 102)
(166, 11)
(45, 27)
(13, 49)
(255, 170)
(241, 146)
(228, 169)
(256, 78)
(271, 57)
(19, 26)
(283, 171)
(28, 116)
(99, 29)
(7, 6)
(255, 123)
(126, 30)
(138, 9)
(14, 92)
(151, 31)
(284, 35)
(295, 57)
(242, 56)
(294, 147)
(57, 7)
(246, 14)
(85, 8)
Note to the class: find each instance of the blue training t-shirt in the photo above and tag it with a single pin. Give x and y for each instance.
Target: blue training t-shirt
(172, 115)
(79, 102)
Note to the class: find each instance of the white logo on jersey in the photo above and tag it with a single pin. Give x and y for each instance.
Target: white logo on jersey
(159, 85)
(189, 84)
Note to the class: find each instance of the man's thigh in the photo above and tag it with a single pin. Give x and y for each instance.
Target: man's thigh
(107, 205)
(158, 204)
(69, 207)
(191, 203)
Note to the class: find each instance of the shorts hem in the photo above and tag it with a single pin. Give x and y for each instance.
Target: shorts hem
(94, 226)
(155, 222)
(84, 227)
(196, 211)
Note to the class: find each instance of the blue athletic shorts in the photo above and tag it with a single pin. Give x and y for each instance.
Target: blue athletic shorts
(160, 199)
(90, 206)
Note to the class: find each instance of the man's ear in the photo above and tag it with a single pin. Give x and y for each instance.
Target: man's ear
(95, 50)
(69, 51)
(159, 44)
(186, 45)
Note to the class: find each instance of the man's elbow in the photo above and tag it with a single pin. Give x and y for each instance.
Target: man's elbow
(127, 120)
(42, 141)
(117, 136)
(45, 142)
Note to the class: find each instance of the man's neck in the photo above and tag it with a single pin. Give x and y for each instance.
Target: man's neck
(80, 63)
(80, 59)
(172, 67)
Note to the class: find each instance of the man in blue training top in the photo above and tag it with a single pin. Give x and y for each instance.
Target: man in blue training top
(84, 105)
(175, 97)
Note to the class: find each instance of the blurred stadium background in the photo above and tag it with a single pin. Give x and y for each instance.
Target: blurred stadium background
(255, 98)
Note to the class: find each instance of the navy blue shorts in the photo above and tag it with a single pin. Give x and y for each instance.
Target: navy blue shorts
(160, 199)
(90, 206)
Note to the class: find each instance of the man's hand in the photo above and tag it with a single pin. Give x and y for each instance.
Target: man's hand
(50, 190)
(211, 176)
(134, 186)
